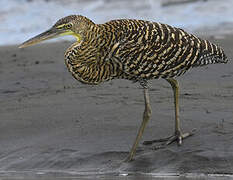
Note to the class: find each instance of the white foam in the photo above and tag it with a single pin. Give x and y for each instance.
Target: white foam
(20, 19)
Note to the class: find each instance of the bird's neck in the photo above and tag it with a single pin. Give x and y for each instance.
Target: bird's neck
(96, 35)
(92, 35)
(86, 59)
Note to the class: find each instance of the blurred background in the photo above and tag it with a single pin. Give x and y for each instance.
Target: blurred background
(21, 19)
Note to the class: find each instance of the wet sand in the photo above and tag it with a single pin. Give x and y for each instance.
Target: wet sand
(51, 123)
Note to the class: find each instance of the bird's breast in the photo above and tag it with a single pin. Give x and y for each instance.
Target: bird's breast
(88, 66)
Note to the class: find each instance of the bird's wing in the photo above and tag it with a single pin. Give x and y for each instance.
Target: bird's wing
(151, 59)
(123, 53)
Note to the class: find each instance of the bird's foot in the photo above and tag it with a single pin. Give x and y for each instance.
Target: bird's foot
(178, 137)
(128, 159)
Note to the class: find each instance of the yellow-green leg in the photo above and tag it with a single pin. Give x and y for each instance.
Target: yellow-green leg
(146, 117)
(178, 135)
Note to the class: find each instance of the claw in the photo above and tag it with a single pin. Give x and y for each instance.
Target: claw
(179, 140)
(178, 136)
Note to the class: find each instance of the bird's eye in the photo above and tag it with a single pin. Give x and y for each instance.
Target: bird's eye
(68, 26)
(64, 26)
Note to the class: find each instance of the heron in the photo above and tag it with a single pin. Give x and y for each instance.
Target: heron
(136, 50)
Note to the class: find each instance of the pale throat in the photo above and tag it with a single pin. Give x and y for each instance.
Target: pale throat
(77, 36)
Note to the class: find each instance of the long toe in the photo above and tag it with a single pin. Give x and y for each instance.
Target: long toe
(156, 141)
(177, 137)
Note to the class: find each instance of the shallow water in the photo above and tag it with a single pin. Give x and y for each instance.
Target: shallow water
(124, 176)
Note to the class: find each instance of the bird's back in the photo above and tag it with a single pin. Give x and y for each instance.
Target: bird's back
(137, 50)
(151, 50)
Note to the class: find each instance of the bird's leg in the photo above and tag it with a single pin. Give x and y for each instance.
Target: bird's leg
(146, 117)
(178, 135)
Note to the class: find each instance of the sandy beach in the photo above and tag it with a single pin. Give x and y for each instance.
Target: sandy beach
(52, 123)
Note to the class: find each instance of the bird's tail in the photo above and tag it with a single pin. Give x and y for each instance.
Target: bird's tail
(210, 54)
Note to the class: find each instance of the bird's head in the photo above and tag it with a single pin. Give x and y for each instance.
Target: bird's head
(74, 25)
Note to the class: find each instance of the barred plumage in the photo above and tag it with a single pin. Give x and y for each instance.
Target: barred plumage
(136, 50)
